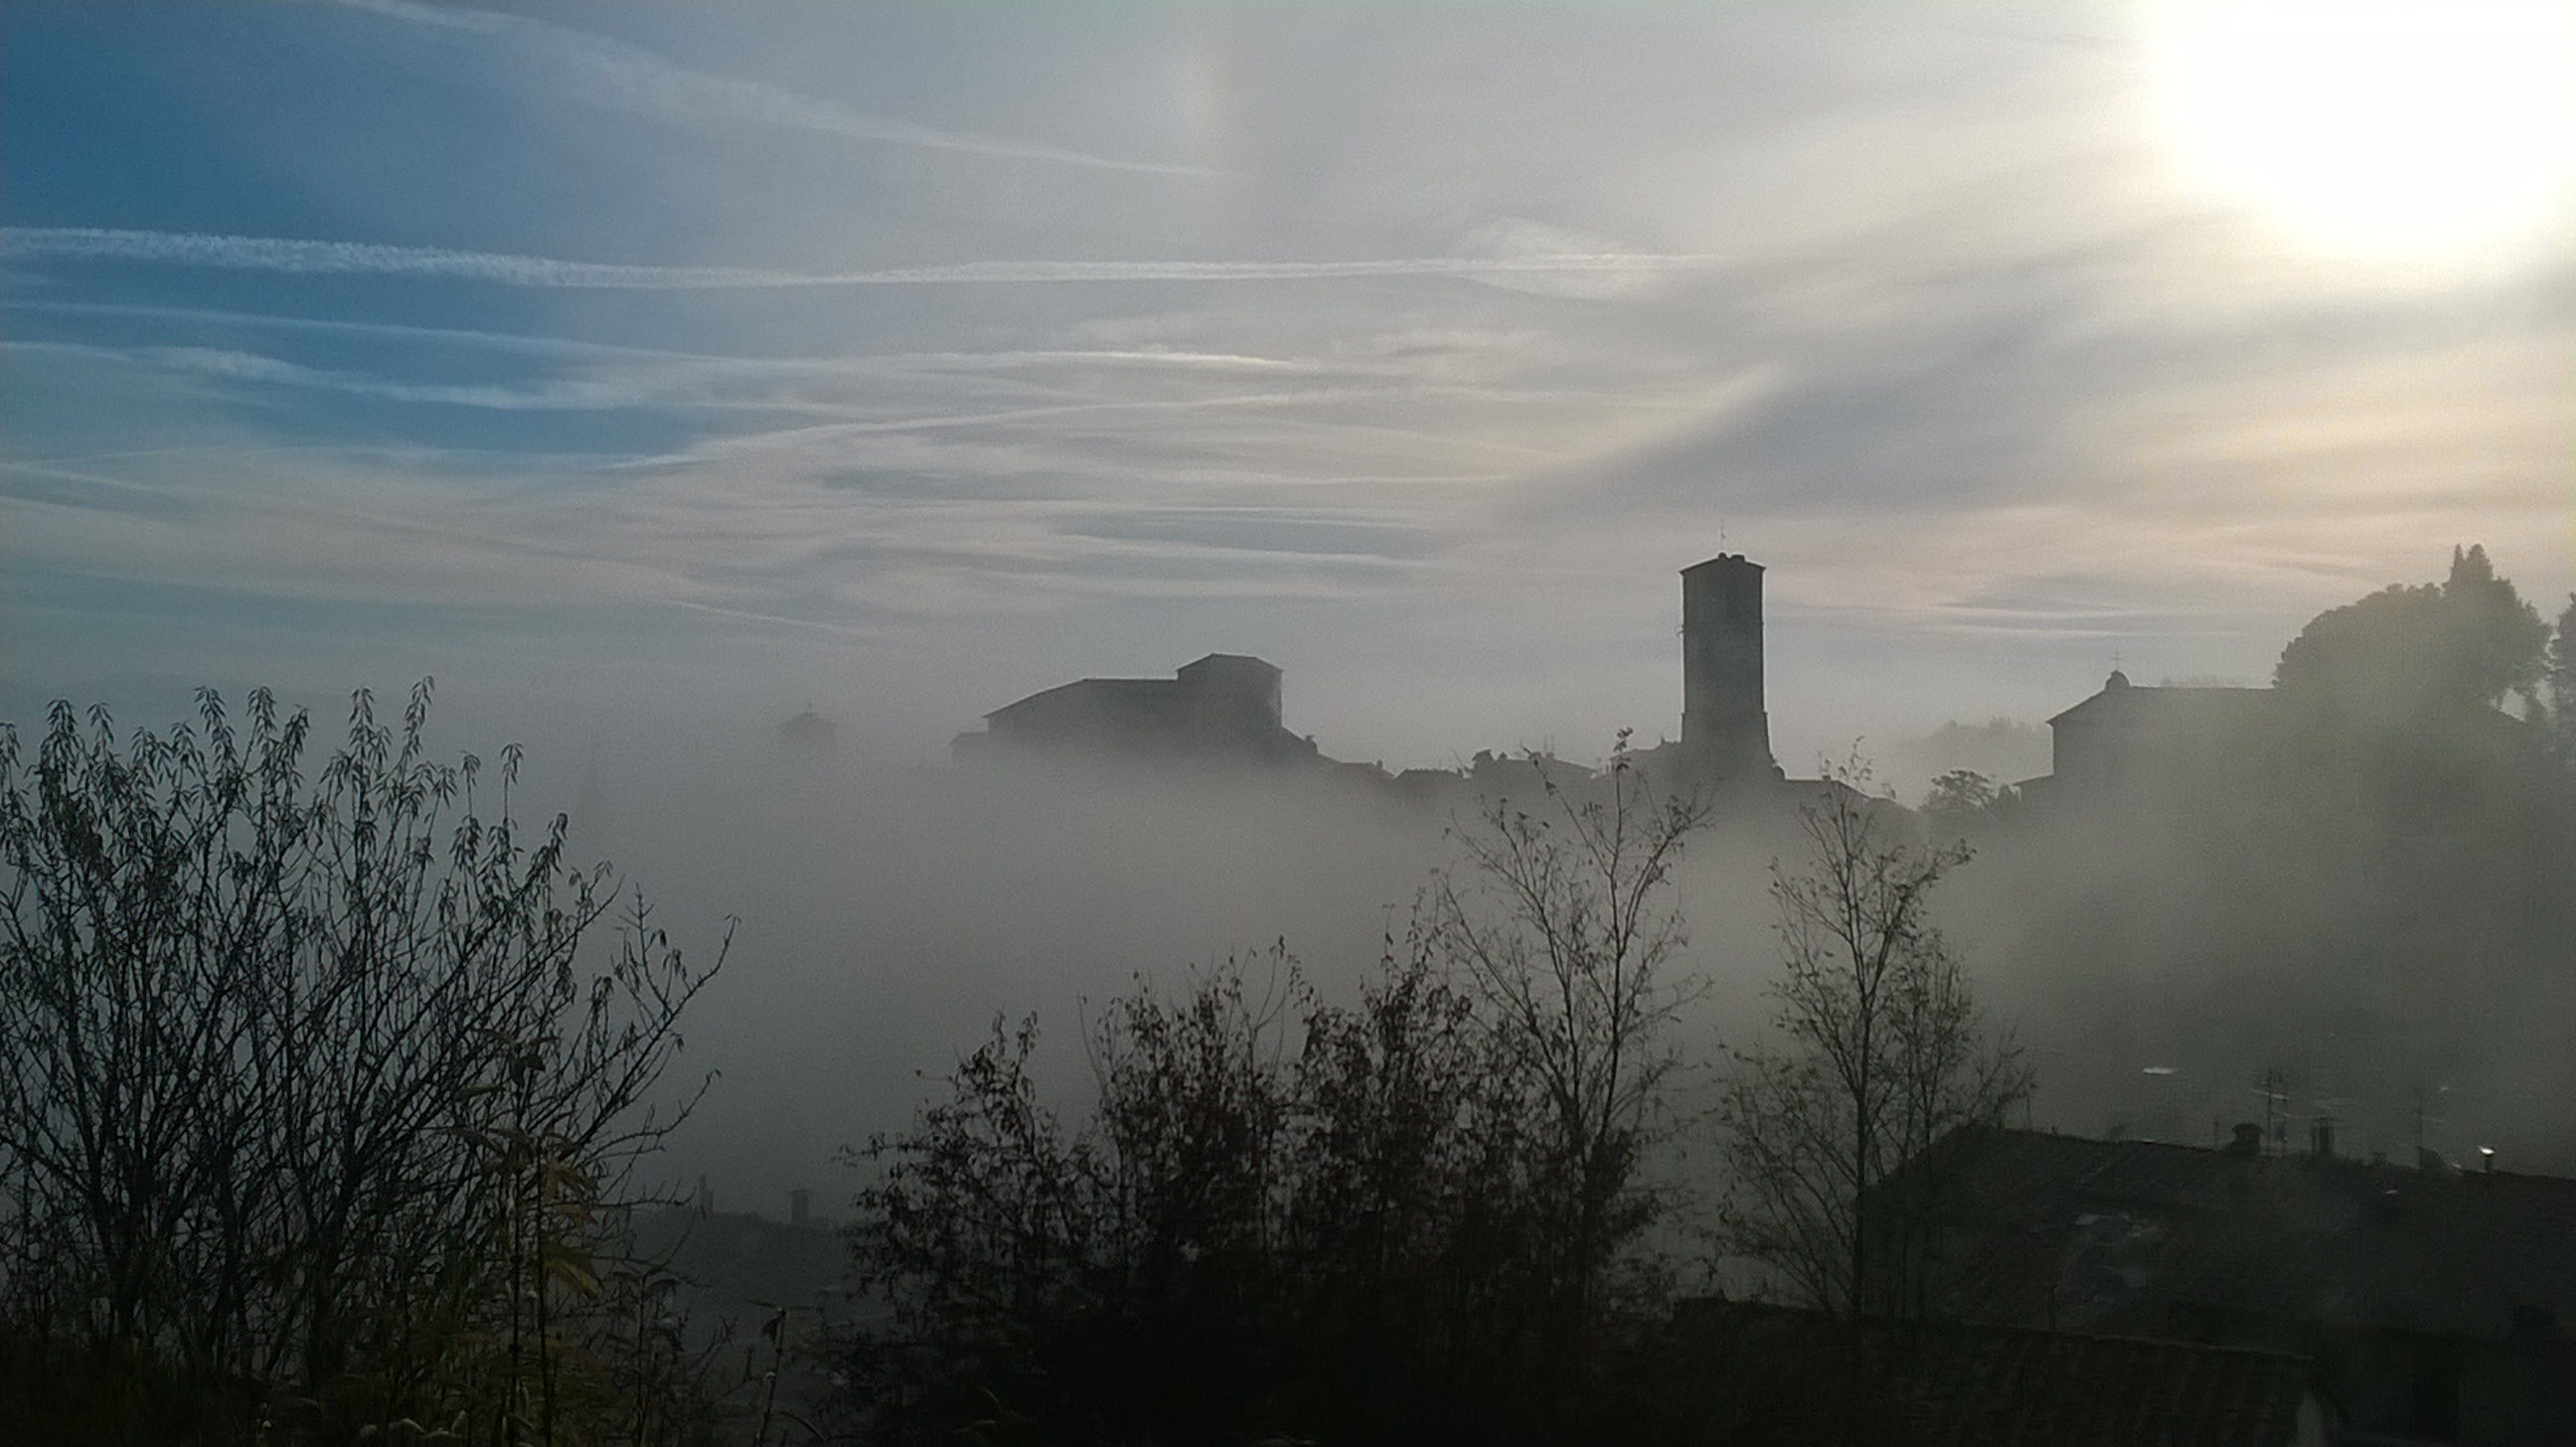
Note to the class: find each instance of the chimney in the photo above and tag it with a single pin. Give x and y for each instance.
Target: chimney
(798, 1201)
(2321, 1136)
(706, 1199)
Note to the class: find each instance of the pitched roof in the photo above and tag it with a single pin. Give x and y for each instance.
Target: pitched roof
(1234, 659)
(2000, 1387)
(2170, 705)
(1147, 692)
(2135, 1227)
(1956, 1385)
(1736, 559)
(1087, 689)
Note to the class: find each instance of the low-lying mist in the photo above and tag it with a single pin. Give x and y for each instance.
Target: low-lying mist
(888, 916)
(2410, 978)
(2157, 953)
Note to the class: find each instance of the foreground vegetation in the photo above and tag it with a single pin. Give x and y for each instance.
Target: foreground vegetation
(1432, 1216)
(319, 1097)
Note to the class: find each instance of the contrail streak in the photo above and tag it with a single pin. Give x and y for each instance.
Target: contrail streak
(614, 75)
(320, 258)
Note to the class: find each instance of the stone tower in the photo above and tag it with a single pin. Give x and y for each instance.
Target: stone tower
(1725, 730)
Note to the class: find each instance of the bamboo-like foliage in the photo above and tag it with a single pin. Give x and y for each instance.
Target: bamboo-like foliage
(315, 1104)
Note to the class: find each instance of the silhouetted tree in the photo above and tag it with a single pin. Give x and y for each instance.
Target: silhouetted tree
(980, 1238)
(1390, 1221)
(1414, 1233)
(312, 1091)
(1278, 1214)
(2562, 684)
(2405, 651)
(2390, 723)
(1883, 1051)
(1963, 801)
(1191, 1154)
(1119, 1281)
(1563, 928)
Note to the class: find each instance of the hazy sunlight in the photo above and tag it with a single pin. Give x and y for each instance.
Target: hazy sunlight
(2405, 129)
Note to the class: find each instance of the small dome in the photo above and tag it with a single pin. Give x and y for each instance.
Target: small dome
(2116, 680)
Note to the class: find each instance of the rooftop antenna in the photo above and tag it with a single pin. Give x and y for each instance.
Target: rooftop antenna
(2329, 1108)
(2321, 1129)
(2424, 1099)
(2275, 1090)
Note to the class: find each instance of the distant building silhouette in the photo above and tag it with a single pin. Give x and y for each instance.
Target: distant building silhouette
(1226, 706)
(2436, 1303)
(2131, 744)
(2129, 734)
(1223, 706)
(1726, 731)
(808, 732)
(1771, 1374)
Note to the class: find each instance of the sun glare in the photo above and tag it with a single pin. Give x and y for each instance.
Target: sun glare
(2380, 129)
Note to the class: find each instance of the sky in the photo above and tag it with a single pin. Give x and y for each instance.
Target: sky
(674, 366)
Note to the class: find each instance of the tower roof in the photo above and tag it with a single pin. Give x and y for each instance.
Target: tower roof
(1238, 661)
(1723, 559)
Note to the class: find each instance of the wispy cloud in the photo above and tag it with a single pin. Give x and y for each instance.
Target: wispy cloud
(861, 406)
(615, 75)
(296, 256)
(561, 395)
(870, 365)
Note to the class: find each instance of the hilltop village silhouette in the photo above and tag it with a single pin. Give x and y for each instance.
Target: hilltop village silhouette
(1224, 710)
(2326, 1295)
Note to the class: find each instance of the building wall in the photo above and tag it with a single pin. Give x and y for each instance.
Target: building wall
(1725, 726)
(1099, 713)
(1231, 697)
(2164, 740)
(1223, 705)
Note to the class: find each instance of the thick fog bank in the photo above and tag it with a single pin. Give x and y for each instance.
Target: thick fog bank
(2406, 986)
(888, 916)
(2156, 958)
